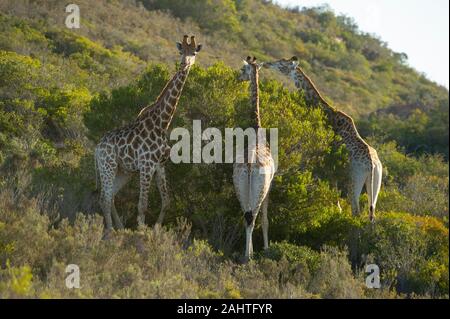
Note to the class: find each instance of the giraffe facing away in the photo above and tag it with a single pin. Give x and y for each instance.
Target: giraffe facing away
(253, 175)
(142, 146)
(365, 166)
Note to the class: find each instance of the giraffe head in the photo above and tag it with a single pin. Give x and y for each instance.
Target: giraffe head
(188, 51)
(249, 69)
(285, 66)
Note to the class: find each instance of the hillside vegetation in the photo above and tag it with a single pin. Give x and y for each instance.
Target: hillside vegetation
(356, 71)
(62, 89)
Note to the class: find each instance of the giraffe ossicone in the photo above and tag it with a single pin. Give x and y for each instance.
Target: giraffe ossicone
(142, 146)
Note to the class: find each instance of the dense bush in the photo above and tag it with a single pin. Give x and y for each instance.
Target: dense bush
(415, 185)
(152, 263)
(411, 251)
(418, 133)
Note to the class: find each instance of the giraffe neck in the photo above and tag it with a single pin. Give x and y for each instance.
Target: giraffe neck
(312, 94)
(349, 133)
(351, 138)
(254, 93)
(166, 103)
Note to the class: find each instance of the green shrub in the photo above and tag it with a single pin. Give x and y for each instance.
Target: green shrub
(146, 263)
(15, 282)
(411, 251)
(292, 253)
(334, 277)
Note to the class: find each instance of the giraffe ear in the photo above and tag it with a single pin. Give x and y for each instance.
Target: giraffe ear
(245, 62)
(199, 48)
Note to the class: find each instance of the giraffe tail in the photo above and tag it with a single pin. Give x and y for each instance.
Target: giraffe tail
(372, 206)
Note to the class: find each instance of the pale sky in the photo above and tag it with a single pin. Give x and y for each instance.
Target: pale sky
(416, 27)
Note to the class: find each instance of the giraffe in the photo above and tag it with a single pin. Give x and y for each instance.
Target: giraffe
(142, 146)
(252, 176)
(365, 166)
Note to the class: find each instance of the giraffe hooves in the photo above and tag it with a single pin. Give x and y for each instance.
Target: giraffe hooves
(141, 228)
(107, 234)
(119, 225)
(245, 259)
(157, 226)
(141, 221)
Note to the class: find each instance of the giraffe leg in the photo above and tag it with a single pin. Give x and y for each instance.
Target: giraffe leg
(116, 217)
(378, 176)
(248, 240)
(106, 199)
(120, 181)
(145, 179)
(107, 170)
(105, 203)
(242, 187)
(161, 183)
(338, 204)
(358, 179)
(373, 185)
(250, 218)
(265, 221)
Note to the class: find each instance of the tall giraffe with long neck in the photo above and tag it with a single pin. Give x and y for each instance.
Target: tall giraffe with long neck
(142, 146)
(365, 166)
(253, 175)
